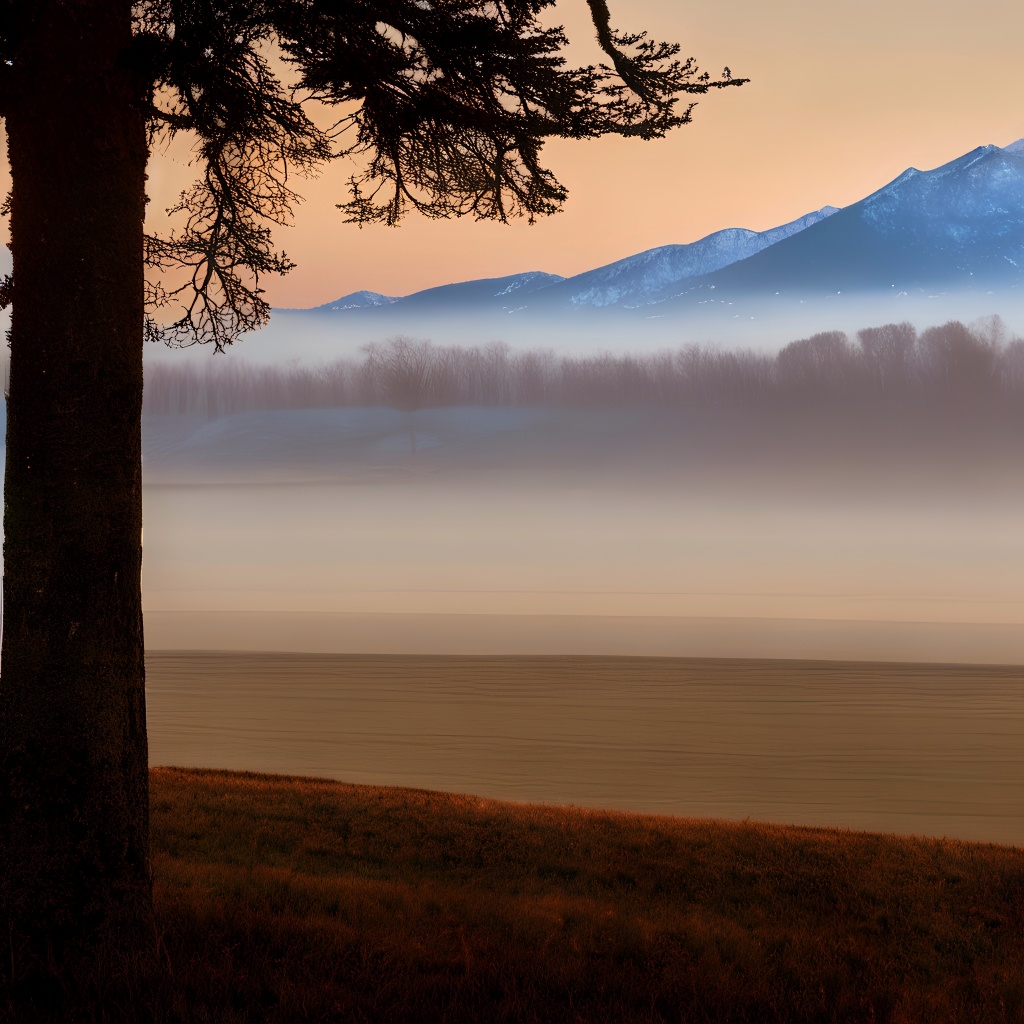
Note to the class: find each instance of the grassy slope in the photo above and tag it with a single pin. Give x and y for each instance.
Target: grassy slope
(303, 900)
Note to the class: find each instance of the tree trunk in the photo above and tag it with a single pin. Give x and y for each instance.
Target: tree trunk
(74, 818)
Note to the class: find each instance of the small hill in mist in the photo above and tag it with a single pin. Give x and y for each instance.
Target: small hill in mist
(467, 294)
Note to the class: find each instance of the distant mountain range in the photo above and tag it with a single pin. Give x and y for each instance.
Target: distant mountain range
(491, 292)
(958, 226)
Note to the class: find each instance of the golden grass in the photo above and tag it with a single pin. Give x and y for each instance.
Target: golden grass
(284, 899)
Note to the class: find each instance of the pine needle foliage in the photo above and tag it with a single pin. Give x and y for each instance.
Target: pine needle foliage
(446, 104)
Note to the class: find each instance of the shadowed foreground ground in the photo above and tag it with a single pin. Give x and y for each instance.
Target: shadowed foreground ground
(285, 899)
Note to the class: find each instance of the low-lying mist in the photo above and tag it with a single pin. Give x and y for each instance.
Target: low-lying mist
(951, 365)
(872, 479)
(890, 408)
(759, 321)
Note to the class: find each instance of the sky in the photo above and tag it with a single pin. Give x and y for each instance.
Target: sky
(842, 98)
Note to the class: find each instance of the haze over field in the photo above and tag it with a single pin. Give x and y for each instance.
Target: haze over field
(601, 598)
(804, 442)
(850, 480)
(850, 500)
(871, 481)
(704, 450)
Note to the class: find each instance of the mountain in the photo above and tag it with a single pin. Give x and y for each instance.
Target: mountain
(951, 231)
(358, 300)
(494, 292)
(649, 276)
(960, 225)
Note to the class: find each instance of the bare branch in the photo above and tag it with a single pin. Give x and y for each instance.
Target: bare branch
(449, 103)
(250, 135)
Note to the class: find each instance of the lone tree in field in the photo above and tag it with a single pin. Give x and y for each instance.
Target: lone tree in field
(445, 103)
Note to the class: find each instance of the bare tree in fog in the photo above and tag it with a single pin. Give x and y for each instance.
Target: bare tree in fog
(219, 388)
(400, 374)
(951, 366)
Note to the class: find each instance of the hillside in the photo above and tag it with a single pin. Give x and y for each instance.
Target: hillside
(286, 900)
(933, 245)
(960, 225)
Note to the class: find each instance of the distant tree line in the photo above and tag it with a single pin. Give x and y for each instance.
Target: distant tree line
(949, 365)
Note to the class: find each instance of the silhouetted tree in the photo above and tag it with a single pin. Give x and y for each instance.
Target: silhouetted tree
(447, 102)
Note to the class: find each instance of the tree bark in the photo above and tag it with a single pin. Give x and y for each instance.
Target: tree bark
(74, 816)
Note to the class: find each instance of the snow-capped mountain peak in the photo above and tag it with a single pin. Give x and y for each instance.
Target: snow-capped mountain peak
(980, 194)
(533, 279)
(359, 300)
(961, 222)
(648, 276)
(957, 225)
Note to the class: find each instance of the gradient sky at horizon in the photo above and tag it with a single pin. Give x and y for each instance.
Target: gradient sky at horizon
(843, 98)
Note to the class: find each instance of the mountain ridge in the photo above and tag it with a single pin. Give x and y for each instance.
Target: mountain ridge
(961, 223)
(937, 228)
(635, 278)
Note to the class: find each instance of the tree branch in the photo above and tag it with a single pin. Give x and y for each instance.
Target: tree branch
(449, 102)
(7, 77)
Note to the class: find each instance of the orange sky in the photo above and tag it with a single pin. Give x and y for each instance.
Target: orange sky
(844, 96)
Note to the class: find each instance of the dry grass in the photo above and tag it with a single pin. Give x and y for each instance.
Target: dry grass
(287, 900)
(303, 900)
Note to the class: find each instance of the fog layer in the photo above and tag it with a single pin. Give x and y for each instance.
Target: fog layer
(762, 322)
(875, 480)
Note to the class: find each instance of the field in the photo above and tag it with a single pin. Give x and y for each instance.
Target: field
(284, 899)
(921, 749)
